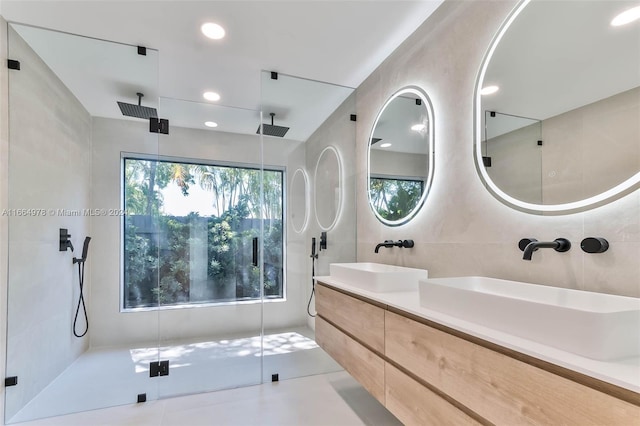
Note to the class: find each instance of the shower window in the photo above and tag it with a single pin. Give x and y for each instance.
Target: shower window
(189, 231)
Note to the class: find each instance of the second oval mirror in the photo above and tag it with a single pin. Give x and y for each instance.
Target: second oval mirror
(400, 166)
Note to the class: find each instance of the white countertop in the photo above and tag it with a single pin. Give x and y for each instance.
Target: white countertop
(624, 372)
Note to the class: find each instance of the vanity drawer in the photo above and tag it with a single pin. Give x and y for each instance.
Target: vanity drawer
(414, 404)
(499, 388)
(356, 317)
(365, 366)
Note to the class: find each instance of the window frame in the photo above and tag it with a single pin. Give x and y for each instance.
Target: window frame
(204, 162)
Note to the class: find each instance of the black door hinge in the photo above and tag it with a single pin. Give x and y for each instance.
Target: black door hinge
(353, 117)
(10, 381)
(486, 161)
(142, 50)
(158, 368)
(159, 125)
(13, 64)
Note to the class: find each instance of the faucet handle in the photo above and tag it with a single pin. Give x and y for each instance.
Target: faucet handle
(523, 243)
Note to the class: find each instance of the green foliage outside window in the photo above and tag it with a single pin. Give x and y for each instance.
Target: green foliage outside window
(394, 199)
(172, 260)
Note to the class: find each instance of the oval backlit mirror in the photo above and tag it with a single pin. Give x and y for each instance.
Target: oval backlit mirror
(556, 111)
(400, 160)
(328, 192)
(298, 207)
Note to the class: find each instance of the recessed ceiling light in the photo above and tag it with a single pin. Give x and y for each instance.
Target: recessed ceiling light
(211, 124)
(212, 30)
(418, 127)
(626, 17)
(211, 96)
(385, 145)
(489, 90)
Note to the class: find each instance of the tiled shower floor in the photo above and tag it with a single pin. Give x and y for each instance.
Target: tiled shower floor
(107, 377)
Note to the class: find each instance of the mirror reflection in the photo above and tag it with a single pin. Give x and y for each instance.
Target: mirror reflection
(328, 193)
(559, 109)
(401, 156)
(298, 211)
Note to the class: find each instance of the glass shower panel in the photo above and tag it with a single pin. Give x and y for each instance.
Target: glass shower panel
(512, 152)
(211, 221)
(317, 118)
(73, 343)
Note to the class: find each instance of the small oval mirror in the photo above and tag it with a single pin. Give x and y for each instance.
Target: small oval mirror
(298, 207)
(400, 166)
(556, 112)
(327, 183)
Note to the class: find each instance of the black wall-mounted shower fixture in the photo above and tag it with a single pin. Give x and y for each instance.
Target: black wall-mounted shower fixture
(272, 129)
(323, 240)
(65, 240)
(137, 111)
(594, 245)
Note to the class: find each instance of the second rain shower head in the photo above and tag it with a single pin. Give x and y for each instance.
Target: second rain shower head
(137, 111)
(272, 129)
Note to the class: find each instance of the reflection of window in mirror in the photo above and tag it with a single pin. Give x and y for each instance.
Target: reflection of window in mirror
(393, 198)
(401, 156)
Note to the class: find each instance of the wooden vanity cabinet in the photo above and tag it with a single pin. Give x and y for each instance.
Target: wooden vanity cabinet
(427, 374)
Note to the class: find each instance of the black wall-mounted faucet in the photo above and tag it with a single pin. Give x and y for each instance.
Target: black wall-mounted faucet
(529, 245)
(391, 243)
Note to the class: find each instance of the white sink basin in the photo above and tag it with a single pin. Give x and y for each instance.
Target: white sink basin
(594, 325)
(377, 277)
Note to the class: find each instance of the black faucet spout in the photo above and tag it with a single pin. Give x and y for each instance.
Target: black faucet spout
(559, 245)
(386, 243)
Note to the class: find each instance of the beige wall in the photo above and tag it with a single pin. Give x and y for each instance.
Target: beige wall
(462, 229)
(591, 149)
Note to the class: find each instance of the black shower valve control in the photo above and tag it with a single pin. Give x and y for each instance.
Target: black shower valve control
(323, 240)
(594, 245)
(65, 240)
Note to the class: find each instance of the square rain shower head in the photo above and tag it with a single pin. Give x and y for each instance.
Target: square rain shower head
(137, 111)
(273, 130)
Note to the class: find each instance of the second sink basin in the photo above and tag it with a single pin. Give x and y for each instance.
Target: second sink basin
(594, 325)
(377, 277)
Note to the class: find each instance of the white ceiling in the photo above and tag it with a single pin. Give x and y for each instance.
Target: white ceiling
(339, 42)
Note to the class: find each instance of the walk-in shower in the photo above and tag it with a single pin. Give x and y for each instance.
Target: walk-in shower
(178, 300)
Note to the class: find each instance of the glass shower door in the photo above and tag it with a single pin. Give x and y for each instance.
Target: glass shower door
(73, 343)
(318, 153)
(211, 224)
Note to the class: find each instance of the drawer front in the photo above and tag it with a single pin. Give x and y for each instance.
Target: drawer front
(501, 389)
(358, 318)
(414, 404)
(364, 365)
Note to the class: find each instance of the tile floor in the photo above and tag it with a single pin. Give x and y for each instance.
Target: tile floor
(108, 377)
(332, 399)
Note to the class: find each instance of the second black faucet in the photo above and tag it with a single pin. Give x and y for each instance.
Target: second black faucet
(391, 243)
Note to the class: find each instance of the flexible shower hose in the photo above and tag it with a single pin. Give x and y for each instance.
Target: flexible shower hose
(81, 301)
(313, 284)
